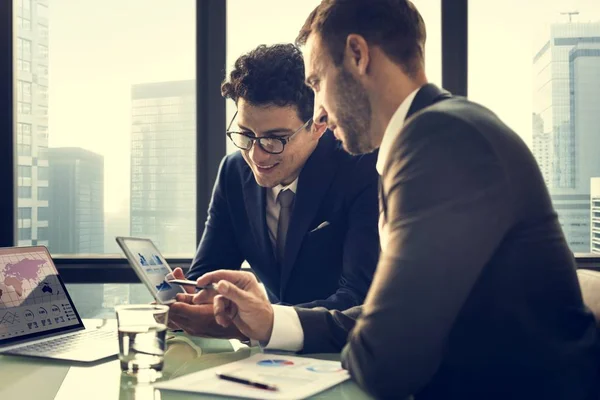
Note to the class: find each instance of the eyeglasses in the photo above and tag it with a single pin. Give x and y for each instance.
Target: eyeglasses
(270, 144)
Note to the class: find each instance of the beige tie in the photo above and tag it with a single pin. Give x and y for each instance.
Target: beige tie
(286, 202)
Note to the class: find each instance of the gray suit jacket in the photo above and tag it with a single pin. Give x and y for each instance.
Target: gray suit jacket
(475, 296)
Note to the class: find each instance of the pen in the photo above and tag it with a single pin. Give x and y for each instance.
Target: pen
(184, 282)
(248, 382)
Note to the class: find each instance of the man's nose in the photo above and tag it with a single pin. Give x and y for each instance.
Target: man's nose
(320, 116)
(258, 155)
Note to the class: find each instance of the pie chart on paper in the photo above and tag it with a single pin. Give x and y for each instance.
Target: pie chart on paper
(325, 368)
(275, 363)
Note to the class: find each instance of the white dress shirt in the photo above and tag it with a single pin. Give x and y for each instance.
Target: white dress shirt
(274, 209)
(287, 330)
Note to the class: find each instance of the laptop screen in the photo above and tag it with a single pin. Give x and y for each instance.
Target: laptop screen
(33, 299)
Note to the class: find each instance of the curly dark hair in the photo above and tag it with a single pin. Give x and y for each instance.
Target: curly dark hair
(271, 75)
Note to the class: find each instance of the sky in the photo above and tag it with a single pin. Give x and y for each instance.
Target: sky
(99, 49)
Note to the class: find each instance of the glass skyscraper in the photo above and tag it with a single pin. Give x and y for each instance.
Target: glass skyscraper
(32, 121)
(566, 123)
(595, 215)
(163, 169)
(76, 201)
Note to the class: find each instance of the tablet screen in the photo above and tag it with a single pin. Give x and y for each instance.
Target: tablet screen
(148, 261)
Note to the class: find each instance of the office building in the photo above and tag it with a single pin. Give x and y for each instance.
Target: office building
(31, 76)
(566, 120)
(76, 201)
(542, 147)
(116, 223)
(595, 215)
(163, 169)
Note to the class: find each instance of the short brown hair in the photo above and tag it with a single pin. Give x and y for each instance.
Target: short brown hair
(393, 25)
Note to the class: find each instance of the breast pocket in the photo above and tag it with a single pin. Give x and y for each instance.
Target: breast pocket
(324, 235)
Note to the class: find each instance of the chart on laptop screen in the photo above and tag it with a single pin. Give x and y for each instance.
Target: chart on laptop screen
(32, 298)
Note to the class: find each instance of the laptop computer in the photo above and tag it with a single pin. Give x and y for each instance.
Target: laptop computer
(38, 317)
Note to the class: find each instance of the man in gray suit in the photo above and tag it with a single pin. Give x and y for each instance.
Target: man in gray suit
(475, 295)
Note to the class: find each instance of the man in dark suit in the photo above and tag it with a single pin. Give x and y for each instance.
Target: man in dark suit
(475, 295)
(328, 252)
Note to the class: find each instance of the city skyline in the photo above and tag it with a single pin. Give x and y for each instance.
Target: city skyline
(88, 103)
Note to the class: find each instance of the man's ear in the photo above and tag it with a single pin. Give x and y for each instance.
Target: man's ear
(356, 54)
(317, 130)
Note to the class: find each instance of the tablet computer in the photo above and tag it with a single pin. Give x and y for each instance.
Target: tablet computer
(151, 267)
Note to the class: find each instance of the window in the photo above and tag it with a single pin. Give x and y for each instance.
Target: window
(23, 108)
(42, 173)
(24, 150)
(23, 65)
(43, 30)
(541, 77)
(42, 233)
(42, 151)
(42, 71)
(268, 13)
(43, 52)
(43, 92)
(43, 214)
(24, 91)
(24, 233)
(25, 192)
(24, 15)
(24, 8)
(78, 142)
(24, 213)
(42, 193)
(23, 49)
(23, 133)
(42, 13)
(24, 171)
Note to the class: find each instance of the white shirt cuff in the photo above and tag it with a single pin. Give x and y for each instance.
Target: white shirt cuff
(287, 332)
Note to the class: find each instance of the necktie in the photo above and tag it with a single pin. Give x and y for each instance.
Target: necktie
(286, 202)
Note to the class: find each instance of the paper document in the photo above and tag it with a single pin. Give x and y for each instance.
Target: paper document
(295, 378)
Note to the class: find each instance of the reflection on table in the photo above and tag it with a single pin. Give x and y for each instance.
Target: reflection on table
(30, 378)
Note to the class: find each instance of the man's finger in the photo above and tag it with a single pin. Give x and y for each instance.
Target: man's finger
(179, 321)
(204, 297)
(236, 277)
(178, 273)
(185, 298)
(220, 311)
(233, 293)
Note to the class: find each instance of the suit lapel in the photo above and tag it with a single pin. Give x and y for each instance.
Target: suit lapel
(314, 180)
(255, 202)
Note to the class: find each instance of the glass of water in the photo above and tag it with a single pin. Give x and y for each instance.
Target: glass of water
(142, 336)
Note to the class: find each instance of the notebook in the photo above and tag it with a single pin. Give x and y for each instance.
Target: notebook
(38, 317)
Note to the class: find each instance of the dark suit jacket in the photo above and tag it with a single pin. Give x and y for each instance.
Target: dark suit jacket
(331, 266)
(475, 295)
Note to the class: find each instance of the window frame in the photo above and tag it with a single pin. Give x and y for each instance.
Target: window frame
(210, 108)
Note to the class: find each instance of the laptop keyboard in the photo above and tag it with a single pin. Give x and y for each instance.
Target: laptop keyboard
(68, 343)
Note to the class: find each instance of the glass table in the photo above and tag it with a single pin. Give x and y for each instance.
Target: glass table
(30, 378)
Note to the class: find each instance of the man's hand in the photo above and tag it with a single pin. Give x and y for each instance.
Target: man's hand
(240, 302)
(178, 274)
(199, 319)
